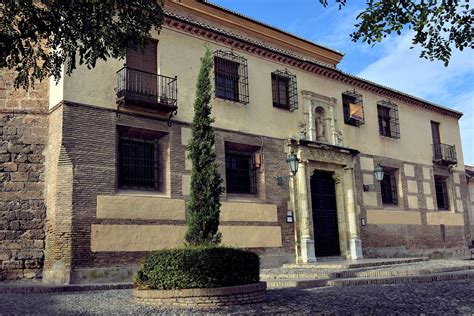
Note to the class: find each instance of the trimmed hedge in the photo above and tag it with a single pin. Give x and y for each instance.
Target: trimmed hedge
(197, 267)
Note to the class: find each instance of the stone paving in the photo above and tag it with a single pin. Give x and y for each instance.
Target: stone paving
(448, 297)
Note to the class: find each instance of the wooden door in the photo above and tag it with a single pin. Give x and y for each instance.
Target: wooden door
(141, 71)
(323, 200)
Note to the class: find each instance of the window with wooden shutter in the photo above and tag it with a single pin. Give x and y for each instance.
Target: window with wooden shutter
(353, 108)
(142, 69)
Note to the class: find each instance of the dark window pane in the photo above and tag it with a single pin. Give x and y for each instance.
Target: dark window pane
(227, 79)
(280, 87)
(284, 90)
(441, 193)
(388, 188)
(240, 174)
(137, 164)
(388, 119)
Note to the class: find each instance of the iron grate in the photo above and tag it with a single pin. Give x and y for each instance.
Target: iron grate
(231, 77)
(284, 90)
(138, 164)
(353, 107)
(388, 119)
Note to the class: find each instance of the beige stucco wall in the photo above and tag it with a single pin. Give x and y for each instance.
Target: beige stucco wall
(56, 90)
(379, 217)
(448, 219)
(125, 238)
(178, 55)
(157, 208)
(136, 207)
(248, 212)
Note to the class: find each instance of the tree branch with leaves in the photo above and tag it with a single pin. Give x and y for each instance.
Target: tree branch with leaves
(38, 37)
(438, 26)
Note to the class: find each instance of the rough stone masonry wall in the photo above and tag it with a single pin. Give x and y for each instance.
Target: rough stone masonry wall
(23, 129)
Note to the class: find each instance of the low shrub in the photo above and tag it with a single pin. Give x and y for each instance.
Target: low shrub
(197, 267)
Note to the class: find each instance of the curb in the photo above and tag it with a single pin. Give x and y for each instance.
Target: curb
(50, 288)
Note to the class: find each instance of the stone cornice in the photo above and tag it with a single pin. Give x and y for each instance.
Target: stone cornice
(237, 42)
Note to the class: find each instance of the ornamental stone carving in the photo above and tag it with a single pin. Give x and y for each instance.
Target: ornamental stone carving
(326, 155)
(320, 118)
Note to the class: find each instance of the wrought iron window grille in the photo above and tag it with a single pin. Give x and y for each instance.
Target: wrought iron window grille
(241, 172)
(138, 164)
(284, 90)
(441, 188)
(353, 108)
(389, 125)
(388, 187)
(231, 77)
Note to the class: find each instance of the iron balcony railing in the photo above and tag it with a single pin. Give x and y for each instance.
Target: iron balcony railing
(147, 89)
(443, 153)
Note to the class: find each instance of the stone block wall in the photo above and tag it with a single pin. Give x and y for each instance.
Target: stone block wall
(23, 131)
(414, 226)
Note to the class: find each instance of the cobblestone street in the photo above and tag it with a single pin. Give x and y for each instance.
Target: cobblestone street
(451, 297)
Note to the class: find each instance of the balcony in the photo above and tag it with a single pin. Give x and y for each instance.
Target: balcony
(444, 154)
(146, 90)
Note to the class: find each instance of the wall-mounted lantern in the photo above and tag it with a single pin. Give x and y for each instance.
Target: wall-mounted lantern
(293, 162)
(378, 173)
(289, 216)
(363, 222)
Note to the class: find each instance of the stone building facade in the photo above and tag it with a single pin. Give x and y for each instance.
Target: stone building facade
(23, 134)
(116, 177)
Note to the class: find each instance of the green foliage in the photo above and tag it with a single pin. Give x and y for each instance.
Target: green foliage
(206, 183)
(197, 267)
(38, 37)
(437, 25)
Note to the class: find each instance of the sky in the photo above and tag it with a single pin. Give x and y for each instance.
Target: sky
(391, 63)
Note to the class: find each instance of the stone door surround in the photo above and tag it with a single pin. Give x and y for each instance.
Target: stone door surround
(340, 161)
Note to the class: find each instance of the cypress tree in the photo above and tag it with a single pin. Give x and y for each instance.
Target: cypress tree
(206, 183)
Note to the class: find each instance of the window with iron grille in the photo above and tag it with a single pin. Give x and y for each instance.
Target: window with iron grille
(441, 188)
(388, 187)
(138, 164)
(241, 175)
(231, 77)
(388, 119)
(353, 108)
(284, 90)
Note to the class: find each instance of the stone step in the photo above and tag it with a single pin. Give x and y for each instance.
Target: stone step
(457, 275)
(364, 263)
(361, 273)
